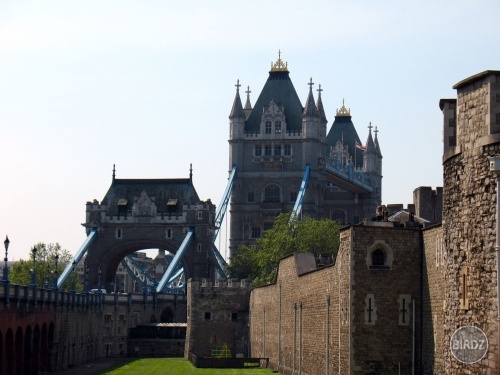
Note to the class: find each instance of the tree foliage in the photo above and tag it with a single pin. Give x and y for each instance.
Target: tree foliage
(45, 267)
(259, 262)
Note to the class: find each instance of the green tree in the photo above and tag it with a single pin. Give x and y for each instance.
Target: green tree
(259, 262)
(45, 267)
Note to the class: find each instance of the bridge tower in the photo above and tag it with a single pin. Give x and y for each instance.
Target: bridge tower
(270, 144)
(138, 214)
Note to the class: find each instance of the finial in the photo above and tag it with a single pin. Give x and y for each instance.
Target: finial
(343, 111)
(248, 91)
(238, 85)
(191, 171)
(311, 83)
(375, 131)
(279, 66)
(114, 172)
(319, 89)
(370, 127)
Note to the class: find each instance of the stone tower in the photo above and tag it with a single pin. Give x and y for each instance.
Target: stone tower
(271, 144)
(471, 135)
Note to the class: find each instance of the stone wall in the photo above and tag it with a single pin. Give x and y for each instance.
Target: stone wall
(433, 300)
(317, 321)
(217, 314)
(469, 222)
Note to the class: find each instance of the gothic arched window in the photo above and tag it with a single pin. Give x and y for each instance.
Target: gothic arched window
(272, 194)
(378, 258)
(339, 216)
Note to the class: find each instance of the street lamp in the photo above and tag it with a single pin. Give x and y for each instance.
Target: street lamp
(99, 283)
(33, 274)
(73, 278)
(6, 268)
(55, 271)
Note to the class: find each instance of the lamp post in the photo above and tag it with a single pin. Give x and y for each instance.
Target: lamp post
(33, 274)
(87, 269)
(99, 283)
(55, 272)
(73, 278)
(5, 278)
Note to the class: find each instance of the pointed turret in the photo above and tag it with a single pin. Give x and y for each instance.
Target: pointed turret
(320, 108)
(377, 146)
(310, 109)
(248, 105)
(237, 116)
(370, 145)
(237, 110)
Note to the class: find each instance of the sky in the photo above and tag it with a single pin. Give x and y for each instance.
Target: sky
(148, 86)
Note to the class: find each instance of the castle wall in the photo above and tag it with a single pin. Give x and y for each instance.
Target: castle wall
(217, 314)
(433, 301)
(469, 220)
(312, 319)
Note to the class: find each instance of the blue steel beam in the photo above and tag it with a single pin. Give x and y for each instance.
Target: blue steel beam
(178, 256)
(221, 210)
(77, 258)
(297, 208)
(219, 260)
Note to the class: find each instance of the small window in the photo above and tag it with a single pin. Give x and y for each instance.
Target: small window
(200, 247)
(293, 196)
(497, 118)
(452, 122)
(497, 97)
(288, 150)
(119, 233)
(251, 197)
(168, 233)
(200, 215)
(208, 315)
(277, 127)
(268, 127)
(378, 258)
(258, 150)
(255, 232)
(277, 150)
(452, 141)
(268, 150)
(234, 316)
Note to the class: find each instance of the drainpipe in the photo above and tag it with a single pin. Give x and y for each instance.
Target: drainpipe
(279, 328)
(495, 167)
(327, 349)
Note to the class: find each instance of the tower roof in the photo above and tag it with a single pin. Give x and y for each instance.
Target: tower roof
(377, 146)
(279, 88)
(343, 130)
(319, 106)
(370, 145)
(123, 192)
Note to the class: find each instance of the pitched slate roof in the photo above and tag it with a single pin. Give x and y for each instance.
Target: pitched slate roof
(279, 88)
(160, 189)
(343, 128)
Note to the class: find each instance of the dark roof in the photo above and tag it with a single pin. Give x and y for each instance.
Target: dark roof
(279, 88)
(161, 190)
(343, 128)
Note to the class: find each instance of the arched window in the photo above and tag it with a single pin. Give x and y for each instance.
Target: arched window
(378, 258)
(272, 194)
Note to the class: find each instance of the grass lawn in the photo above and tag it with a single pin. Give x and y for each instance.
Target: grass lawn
(177, 366)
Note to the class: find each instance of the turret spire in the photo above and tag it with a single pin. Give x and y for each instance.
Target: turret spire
(377, 146)
(310, 108)
(248, 105)
(319, 106)
(114, 172)
(370, 146)
(237, 110)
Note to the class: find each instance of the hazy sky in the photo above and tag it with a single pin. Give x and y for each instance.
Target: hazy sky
(148, 86)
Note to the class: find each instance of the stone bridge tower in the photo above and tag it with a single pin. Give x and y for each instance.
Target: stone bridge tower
(272, 142)
(138, 214)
